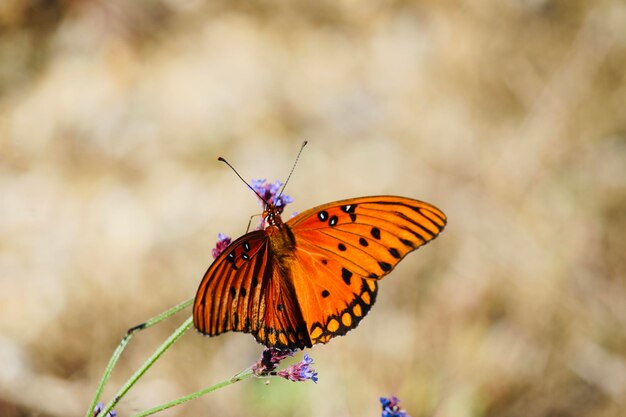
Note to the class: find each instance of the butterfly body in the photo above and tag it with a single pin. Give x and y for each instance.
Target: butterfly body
(304, 281)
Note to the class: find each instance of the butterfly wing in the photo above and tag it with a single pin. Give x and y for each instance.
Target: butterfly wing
(244, 291)
(325, 283)
(343, 248)
(282, 326)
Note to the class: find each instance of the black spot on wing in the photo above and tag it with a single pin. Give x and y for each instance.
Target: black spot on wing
(384, 266)
(346, 275)
(349, 208)
(231, 259)
(407, 243)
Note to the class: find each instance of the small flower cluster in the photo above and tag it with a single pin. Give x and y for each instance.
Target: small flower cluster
(301, 371)
(270, 192)
(98, 409)
(222, 243)
(270, 359)
(391, 407)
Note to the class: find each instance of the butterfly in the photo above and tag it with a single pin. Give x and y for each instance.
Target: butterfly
(304, 281)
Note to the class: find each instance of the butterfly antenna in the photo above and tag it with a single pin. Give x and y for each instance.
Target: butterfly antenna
(244, 181)
(292, 168)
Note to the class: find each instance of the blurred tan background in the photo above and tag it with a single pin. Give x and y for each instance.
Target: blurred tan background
(508, 115)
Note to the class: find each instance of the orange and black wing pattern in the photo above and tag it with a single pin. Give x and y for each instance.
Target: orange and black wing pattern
(244, 291)
(344, 248)
(229, 296)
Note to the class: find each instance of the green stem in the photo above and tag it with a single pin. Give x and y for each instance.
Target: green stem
(147, 364)
(120, 348)
(239, 377)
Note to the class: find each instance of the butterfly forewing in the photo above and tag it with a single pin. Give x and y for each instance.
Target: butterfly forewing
(369, 235)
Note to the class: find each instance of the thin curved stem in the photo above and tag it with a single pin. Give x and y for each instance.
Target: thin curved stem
(239, 377)
(148, 363)
(122, 345)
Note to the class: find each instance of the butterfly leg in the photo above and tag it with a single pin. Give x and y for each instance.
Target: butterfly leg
(250, 221)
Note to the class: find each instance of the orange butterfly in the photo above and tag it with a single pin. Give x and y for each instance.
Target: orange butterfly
(314, 277)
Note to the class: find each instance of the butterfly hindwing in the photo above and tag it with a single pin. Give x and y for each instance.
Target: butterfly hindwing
(245, 291)
(281, 323)
(332, 299)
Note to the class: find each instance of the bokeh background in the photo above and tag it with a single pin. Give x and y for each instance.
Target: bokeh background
(509, 115)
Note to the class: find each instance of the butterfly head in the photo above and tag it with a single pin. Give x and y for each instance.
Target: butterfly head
(271, 214)
(272, 199)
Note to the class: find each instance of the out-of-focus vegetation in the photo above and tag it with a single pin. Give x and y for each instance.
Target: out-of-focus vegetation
(509, 115)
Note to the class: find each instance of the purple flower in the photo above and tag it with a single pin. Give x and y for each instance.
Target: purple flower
(301, 371)
(222, 243)
(270, 358)
(98, 409)
(270, 192)
(391, 407)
